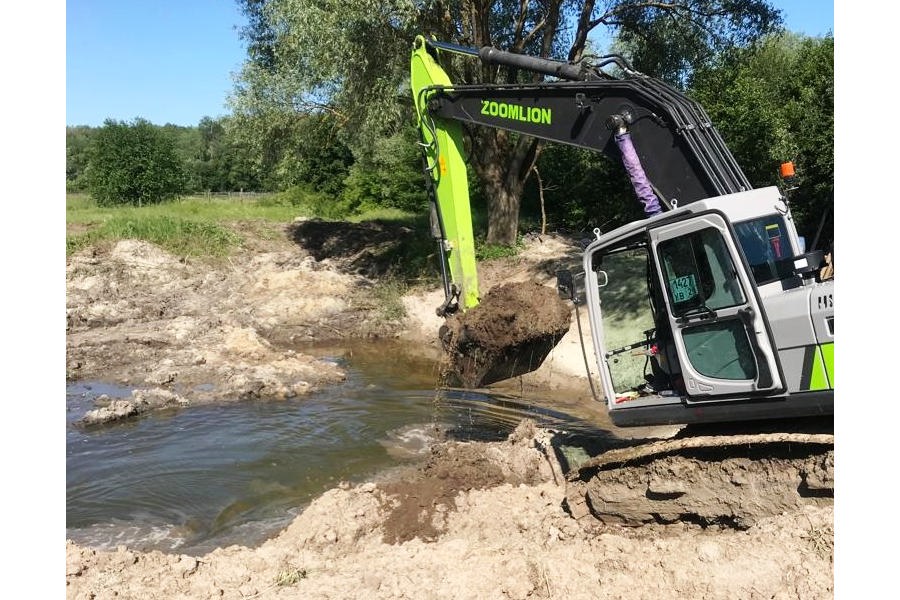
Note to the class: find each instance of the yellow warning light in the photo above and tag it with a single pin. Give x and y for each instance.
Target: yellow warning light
(787, 170)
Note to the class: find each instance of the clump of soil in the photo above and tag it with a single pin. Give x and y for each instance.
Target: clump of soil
(509, 333)
(418, 505)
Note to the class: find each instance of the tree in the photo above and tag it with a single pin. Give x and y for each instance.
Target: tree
(78, 142)
(133, 163)
(222, 162)
(583, 190)
(775, 103)
(350, 59)
(187, 144)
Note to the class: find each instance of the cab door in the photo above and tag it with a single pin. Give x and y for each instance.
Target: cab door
(718, 328)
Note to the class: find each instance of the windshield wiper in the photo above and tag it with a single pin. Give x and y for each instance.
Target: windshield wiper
(699, 313)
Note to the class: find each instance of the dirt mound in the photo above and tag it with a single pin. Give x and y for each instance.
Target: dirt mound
(368, 249)
(418, 505)
(181, 332)
(509, 333)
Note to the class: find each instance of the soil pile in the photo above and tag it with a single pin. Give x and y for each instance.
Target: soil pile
(186, 332)
(509, 333)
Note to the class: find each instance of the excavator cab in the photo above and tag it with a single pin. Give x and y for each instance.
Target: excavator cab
(682, 316)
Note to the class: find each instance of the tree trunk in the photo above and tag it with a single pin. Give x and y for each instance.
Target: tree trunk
(502, 166)
(500, 160)
(503, 213)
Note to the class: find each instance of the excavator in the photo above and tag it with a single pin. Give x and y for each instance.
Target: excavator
(709, 309)
(708, 314)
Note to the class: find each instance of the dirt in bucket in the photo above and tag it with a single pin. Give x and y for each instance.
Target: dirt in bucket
(509, 333)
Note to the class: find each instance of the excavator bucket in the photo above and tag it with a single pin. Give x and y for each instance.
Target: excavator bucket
(509, 333)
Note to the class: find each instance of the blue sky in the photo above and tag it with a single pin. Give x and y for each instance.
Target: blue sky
(171, 61)
(163, 60)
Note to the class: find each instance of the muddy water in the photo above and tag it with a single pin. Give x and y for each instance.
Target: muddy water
(191, 480)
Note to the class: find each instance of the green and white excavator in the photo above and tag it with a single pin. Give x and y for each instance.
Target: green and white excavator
(709, 310)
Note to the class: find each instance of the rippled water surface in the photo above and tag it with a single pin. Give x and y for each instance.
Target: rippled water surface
(193, 479)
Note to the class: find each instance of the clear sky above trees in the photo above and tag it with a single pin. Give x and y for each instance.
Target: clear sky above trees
(170, 61)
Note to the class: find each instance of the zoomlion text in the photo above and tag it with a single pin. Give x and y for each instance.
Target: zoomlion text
(516, 112)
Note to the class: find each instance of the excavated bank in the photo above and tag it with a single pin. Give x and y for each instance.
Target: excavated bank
(509, 333)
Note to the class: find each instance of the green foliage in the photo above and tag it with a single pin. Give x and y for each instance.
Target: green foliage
(78, 141)
(670, 40)
(290, 149)
(133, 163)
(213, 158)
(388, 176)
(349, 61)
(315, 202)
(186, 143)
(345, 57)
(215, 161)
(322, 175)
(582, 190)
(320, 159)
(485, 251)
(775, 103)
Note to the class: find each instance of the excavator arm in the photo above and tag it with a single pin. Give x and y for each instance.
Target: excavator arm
(682, 154)
(441, 140)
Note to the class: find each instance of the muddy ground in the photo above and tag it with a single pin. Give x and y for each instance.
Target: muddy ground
(476, 520)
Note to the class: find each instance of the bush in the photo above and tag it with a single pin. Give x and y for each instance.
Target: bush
(133, 163)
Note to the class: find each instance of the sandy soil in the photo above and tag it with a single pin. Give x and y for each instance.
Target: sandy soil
(476, 520)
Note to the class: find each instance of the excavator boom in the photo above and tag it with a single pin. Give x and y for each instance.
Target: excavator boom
(574, 111)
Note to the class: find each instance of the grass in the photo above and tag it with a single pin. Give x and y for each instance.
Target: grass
(290, 576)
(389, 295)
(82, 210)
(492, 251)
(384, 214)
(201, 226)
(192, 226)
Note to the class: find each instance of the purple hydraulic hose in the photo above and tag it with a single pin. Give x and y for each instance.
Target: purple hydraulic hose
(636, 173)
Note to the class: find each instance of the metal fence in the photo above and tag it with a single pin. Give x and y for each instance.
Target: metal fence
(238, 194)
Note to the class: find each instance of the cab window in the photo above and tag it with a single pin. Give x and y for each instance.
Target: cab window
(699, 272)
(764, 242)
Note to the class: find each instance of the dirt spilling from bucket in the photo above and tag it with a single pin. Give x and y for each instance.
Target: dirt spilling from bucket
(510, 333)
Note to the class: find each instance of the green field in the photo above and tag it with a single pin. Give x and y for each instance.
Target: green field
(191, 226)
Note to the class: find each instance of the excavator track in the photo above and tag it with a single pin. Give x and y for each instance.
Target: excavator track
(710, 480)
